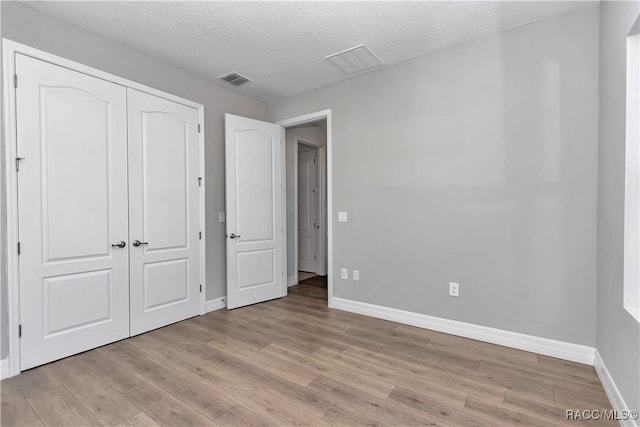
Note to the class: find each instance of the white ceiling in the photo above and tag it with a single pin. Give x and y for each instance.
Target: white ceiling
(281, 45)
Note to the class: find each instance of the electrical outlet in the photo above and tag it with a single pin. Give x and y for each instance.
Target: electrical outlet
(356, 275)
(454, 289)
(344, 273)
(343, 217)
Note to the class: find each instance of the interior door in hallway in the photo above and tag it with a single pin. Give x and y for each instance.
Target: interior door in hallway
(164, 206)
(307, 210)
(254, 198)
(72, 204)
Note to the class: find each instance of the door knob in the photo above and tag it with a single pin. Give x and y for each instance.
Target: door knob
(137, 243)
(233, 236)
(120, 244)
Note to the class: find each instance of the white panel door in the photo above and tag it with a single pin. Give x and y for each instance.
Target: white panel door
(72, 188)
(164, 205)
(255, 263)
(307, 210)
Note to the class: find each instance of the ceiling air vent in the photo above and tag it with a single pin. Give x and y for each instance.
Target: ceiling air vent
(235, 79)
(354, 60)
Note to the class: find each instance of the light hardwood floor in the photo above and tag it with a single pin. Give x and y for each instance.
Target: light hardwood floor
(295, 362)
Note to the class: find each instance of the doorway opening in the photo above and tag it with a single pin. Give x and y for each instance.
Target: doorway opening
(306, 157)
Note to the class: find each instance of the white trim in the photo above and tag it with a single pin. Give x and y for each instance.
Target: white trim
(4, 369)
(292, 281)
(296, 242)
(215, 304)
(10, 49)
(560, 349)
(13, 268)
(203, 213)
(13, 47)
(312, 117)
(321, 264)
(610, 388)
(283, 183)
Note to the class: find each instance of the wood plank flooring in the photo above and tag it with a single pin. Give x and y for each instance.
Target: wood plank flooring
(293, 361)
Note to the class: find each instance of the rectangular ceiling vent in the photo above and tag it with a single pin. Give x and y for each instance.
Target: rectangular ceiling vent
(354, 60)
(235, 79)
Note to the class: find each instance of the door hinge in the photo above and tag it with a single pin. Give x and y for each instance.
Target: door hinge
(200, 288)
(199, 181)
(15, 80)
(18, 248)
(19, 331)
(18, 160)
(199, 235)
(314, 160)
(314, 256)
(198, 127)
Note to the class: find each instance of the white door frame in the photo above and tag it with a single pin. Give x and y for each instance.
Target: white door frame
(312, 117)
(10, 49)
(321, 206)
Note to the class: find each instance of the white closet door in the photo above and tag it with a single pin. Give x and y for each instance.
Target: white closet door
(164, 208)
(72, 192)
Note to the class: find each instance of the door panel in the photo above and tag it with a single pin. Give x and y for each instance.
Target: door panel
(255, 269)
(72, 186)
(164, 205)
(93, 288)
(164, 153)
(254, 186)
(174, 272)
(307, 210)
(83, 138)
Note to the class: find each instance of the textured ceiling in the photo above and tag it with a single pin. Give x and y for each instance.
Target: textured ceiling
(281, 45)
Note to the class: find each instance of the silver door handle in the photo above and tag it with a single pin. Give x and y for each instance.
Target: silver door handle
(120, 244)
(233, 236)
(137, 243)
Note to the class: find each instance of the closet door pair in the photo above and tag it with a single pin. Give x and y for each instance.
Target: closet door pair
(108, 204)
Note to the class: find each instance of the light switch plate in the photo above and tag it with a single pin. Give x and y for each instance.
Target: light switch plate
(356, 274)
(342, 217)
(221, 217)
(344, 273)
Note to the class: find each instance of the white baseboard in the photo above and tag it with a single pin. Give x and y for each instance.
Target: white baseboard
(292, 281)
(610, 388)
(215, 304)
(4, 369)
(560, 349)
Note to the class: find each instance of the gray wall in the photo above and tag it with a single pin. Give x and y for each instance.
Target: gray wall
(475, 164)
(26, 25)
(618, 334)
(315, 135)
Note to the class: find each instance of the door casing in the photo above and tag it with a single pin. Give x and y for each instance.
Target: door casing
(10, 49)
